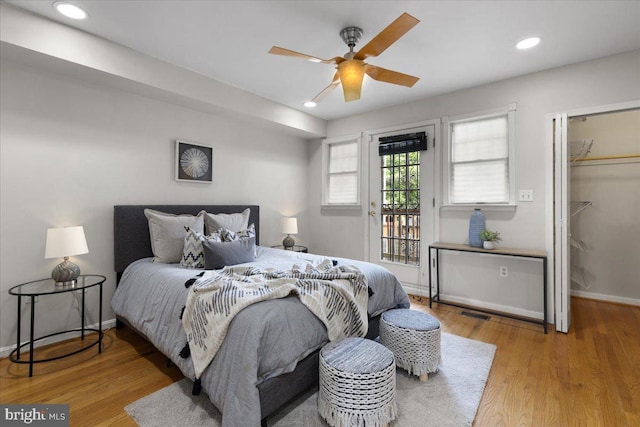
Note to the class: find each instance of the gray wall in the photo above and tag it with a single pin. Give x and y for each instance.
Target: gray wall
(604, 81)
(71, 149)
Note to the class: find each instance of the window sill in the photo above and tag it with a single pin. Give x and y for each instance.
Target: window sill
(483, 206)
(341, 206)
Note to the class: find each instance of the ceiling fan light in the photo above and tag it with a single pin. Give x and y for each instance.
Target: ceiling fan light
(351, 74)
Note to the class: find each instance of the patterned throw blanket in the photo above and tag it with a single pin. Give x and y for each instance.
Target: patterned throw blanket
(336, 295)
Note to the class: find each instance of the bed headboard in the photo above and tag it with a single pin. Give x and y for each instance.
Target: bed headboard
(131, 229)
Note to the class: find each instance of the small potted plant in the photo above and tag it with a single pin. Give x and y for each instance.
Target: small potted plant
(490, 238)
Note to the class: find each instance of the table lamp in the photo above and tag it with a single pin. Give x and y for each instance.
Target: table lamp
(289, 226)
(65, 242)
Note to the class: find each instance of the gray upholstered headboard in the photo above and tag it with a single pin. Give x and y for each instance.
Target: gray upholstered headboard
(131, 229)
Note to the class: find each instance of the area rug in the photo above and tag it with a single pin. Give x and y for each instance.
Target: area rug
(450, 397)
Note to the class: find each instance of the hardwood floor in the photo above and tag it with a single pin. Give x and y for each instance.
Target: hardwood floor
(589, 377)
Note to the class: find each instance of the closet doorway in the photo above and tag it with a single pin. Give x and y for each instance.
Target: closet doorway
(597, 207)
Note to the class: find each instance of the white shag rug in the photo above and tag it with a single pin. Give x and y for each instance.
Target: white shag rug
(450, 398)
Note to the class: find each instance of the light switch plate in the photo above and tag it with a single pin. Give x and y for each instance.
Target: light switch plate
(526, 196)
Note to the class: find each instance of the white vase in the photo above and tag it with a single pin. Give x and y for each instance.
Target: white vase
(489, 245)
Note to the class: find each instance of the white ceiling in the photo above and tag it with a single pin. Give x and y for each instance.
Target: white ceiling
(457, 44)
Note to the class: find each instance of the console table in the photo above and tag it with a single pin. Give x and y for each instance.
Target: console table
(522, 253)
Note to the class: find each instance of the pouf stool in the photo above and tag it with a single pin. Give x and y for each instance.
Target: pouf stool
(357, 383)
(414, 339)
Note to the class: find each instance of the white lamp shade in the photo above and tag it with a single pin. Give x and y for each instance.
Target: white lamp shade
(65, 241)
(289, 226)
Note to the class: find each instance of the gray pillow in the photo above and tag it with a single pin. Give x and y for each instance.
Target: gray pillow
(193, 254)
(234, 222)
(167, 234)
(221, 254)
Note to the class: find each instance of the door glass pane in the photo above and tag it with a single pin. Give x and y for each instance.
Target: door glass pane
(413, 201)
(400, 233)
(399, 250)
(387, 201)
(414, 176)
(400, 178)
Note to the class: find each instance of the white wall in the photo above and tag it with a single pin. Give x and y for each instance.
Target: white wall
(25, 30)
(604, 81)
(71, 149)
(610, 226)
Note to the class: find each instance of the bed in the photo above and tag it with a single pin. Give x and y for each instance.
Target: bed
(270, 353)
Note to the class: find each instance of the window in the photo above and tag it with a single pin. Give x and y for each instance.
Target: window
(480, 159)
(341, 172)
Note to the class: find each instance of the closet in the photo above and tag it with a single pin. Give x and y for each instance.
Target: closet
(604, 189)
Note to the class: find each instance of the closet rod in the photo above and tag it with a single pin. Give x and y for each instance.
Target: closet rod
(621, 156)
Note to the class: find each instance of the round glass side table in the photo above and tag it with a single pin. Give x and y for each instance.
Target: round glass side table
(42, 288)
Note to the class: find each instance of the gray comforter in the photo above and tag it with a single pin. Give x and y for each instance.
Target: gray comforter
(263, 341)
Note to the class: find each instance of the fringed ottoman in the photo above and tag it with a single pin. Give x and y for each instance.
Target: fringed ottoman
(414, 339)
(357, 384)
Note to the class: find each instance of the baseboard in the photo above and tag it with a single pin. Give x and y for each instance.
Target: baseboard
(604, 297)
(423, 291)
(494, 307)
(107, 324)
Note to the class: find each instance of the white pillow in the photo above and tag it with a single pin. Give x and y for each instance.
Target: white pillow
(233, 222)
(167, 234)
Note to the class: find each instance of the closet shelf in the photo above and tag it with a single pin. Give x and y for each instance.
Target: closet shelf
(579, 206)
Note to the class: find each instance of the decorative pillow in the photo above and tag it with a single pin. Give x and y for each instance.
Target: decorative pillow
(221, 254)
(232, 236)
(192, 254)
(167, 234)
(233, 222)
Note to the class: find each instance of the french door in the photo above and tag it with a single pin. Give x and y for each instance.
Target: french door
(401, 202)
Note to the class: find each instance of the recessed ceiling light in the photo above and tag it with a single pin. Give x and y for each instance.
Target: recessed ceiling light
(309, 104)
(529, 42)
(70, 10)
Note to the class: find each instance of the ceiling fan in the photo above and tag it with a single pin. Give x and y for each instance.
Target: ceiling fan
(351, 68)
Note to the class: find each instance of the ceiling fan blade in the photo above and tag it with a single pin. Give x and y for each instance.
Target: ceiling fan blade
(275, 50)
(388, 76)
(319, 97)
(388, 36)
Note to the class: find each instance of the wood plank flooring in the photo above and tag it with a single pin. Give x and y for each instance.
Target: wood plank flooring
(589, 377)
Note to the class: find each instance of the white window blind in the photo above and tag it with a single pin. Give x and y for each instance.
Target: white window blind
(342, 173)
(479, 161)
